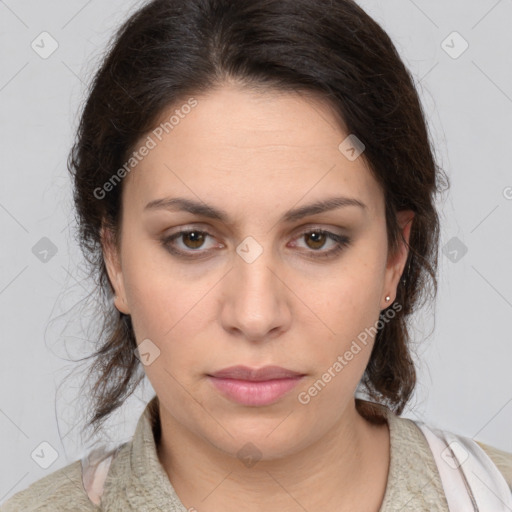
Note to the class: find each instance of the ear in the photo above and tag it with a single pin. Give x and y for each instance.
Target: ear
(396, 262)
(112, 260)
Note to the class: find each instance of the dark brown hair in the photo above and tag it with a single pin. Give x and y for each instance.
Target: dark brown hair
(171, 49)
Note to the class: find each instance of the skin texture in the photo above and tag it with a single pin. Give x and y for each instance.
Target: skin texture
(256, 155)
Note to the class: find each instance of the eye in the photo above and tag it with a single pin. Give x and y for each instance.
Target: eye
(190, 241)
(316, 239)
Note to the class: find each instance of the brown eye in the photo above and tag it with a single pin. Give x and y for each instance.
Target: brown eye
(318, 239)
(190, 243)
(193, 243)
(196, 239)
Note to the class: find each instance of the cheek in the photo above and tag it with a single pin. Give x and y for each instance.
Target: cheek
(156, 298)
(167, 309)
(164, 310)
(349, 304)
(352, 294)
(340, 359)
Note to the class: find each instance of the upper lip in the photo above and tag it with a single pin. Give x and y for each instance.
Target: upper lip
(255, 374)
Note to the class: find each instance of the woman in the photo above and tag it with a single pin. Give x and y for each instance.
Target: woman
(255, 188)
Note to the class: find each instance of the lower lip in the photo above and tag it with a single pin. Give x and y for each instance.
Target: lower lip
(254, 393)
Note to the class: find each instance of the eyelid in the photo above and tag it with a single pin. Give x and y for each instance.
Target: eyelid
(301, 230)
(307, 228)
(341, 241)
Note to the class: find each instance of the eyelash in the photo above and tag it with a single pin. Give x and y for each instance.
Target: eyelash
(341, 243)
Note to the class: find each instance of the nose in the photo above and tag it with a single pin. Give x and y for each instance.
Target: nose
(255, 299)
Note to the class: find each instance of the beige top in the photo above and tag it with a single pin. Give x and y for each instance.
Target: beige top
(136, 481)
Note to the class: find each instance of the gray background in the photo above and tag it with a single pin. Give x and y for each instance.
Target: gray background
(463, 357)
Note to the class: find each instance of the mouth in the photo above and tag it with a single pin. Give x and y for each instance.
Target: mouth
(255, 387)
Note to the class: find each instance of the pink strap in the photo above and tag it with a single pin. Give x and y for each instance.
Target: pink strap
(94, 474)
(470, 478)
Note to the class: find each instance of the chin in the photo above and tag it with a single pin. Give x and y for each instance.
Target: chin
(266, 439)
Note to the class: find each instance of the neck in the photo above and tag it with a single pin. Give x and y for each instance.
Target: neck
(346, 469)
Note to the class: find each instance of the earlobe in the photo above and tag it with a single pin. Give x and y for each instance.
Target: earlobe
(114, 271)
(397, 261)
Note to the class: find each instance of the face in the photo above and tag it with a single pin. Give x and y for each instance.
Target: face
(254, 285)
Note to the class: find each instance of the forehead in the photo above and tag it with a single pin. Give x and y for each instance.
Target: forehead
(237, 146)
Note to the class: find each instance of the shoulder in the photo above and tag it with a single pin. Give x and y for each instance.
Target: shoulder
(472, 474)
(502, 460)
(61, 490)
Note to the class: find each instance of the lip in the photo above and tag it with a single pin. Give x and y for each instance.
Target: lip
(255, 387)
(255, 374)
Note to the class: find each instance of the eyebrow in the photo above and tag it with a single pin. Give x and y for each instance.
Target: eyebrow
(205, 210)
